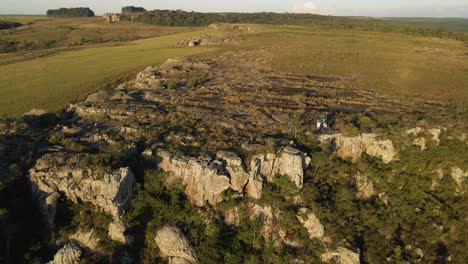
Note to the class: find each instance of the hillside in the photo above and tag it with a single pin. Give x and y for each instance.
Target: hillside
(319, 140)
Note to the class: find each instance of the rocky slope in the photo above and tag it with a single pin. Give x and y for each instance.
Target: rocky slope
(219, 160)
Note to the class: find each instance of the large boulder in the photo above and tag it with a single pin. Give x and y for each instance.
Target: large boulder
(311, 222)
(204, 180)
(341, 256)
(353, 147)
(288, 162)
(56, 173)
(174, 246)
(69, 254)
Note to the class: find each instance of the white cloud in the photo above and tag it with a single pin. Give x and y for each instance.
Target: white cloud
(312, 8)
(307, 7)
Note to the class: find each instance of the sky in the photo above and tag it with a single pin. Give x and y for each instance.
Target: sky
(377, 8)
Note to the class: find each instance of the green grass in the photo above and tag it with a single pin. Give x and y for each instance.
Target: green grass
(383, 62)
(451, 24)
(51, 83)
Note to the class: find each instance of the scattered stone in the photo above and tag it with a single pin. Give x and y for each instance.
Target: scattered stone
(99, 97)
(311, 222)
(69, 254)
(174, 246)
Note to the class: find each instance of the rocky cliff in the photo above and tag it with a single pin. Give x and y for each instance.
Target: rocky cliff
(60, 173)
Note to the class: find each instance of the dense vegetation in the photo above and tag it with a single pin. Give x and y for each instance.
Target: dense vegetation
(8, 25)
(184, 18)
(70, 12)
(132, 10)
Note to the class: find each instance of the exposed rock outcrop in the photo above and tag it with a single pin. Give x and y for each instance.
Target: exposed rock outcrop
(86, 239)
(111, 17)
(204, 180)
(241, 27)
(116, 232)
(266, 215)
(232, 216)
(174, 246)
(205, 41)
(341, 256)
(61, 173)
(364, 187)
(238, 175)
(69, 254)
(353, 147)
(420, 142)
(459, 176)
(311, 222)
(289, 162)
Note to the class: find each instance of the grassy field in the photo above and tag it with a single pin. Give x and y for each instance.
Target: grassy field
(79, 31)
(451, 24)
(388, 63)
(383, 62)
(52, 82)
(43, 36)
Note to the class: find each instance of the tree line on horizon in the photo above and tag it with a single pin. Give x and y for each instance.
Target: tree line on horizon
(71, 12)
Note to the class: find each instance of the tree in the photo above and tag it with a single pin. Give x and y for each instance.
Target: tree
(70, 12)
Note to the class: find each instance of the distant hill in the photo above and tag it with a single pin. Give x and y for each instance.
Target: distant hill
(451, 24)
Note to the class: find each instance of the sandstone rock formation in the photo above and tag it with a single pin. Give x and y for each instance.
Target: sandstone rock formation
(459, 176)
(341, 256)
(289, 162)
(56, 173)
(232, 216)
(266, 215)
(238, 175)
(241, 27)
(254, 186)
(364, 187)
(205, 41)
(204, 180)
(69, 254)
(311, 222)
(86, 239)
(353, 147)
(420, 142)
(116, 232)
(111, 17)
(174, 246)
